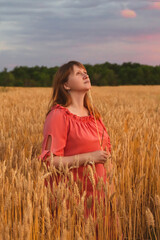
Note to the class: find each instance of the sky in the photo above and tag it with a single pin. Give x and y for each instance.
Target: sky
(51, 33)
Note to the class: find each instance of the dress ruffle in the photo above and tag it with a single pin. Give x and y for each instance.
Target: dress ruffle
(76, 117)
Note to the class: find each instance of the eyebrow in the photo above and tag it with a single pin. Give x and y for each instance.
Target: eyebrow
(83, 70)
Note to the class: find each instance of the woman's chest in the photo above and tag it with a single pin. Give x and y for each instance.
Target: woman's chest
(85, 136)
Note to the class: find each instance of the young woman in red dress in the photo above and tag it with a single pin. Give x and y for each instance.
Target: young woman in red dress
(73, 128)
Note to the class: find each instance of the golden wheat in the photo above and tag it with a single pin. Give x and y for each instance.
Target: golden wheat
(157, 201)
(149, 218)
(131, 115)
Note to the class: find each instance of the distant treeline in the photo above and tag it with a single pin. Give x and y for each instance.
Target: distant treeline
(105, 74)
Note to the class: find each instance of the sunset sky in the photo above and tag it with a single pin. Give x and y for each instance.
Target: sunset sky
(50, 33)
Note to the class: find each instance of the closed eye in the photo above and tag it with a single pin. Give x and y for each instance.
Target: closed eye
(80, 72)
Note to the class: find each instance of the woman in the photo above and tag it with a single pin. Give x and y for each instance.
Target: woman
(73, 128)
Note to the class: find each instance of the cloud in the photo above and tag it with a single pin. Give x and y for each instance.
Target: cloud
(155, 5)
(51, 32)
(127, 13)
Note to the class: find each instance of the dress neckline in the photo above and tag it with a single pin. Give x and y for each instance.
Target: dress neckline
(81, 118)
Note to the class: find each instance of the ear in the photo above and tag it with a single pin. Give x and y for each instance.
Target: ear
(66, 87)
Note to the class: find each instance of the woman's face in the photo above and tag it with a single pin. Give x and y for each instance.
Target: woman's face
(78, 80)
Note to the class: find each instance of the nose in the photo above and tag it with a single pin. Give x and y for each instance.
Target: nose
(85, 75)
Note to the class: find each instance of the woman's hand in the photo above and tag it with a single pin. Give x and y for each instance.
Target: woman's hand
(99, 156)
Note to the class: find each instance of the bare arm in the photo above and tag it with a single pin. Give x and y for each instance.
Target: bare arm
(77, 160)
(72, 161)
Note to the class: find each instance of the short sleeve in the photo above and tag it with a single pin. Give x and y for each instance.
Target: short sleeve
(55, 125)
(108, 142)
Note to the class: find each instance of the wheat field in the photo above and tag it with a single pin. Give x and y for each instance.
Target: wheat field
(28, 209)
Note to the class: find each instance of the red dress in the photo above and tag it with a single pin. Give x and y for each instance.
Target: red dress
(72, 135)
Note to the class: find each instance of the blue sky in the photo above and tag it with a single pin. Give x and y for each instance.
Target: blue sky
(50, 33)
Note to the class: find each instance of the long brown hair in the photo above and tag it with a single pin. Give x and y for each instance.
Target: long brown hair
(61, 96)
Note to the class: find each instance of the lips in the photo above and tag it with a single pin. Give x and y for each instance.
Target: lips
(87, 81)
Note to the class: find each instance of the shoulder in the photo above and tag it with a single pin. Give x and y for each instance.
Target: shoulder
(55, 112)
(100, 120)
(56, 115)
(56, 119)
(102, 123)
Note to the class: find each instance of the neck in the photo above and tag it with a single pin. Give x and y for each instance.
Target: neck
(77, 100)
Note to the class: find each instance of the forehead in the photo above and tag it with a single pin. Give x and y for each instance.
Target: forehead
(75, 68)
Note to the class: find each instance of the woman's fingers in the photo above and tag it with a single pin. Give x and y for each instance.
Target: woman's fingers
(106, 156)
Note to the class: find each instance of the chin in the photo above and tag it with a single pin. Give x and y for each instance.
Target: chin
(87, 90)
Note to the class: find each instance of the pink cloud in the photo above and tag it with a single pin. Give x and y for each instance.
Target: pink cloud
(155, 37)
(127, 13)
(144, 49)
(155, 5)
